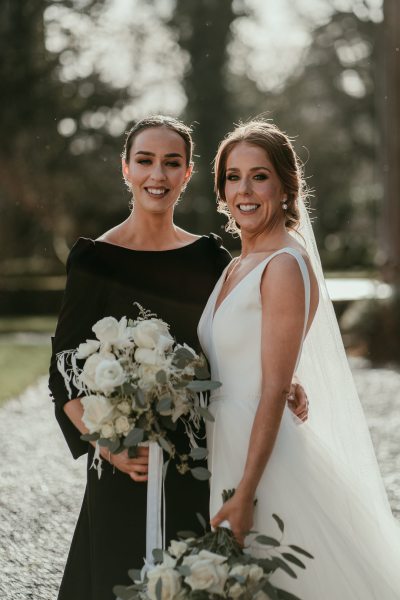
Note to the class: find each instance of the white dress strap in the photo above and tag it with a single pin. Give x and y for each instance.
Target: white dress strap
(306, 280)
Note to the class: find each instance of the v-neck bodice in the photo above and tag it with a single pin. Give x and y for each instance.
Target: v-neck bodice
(231, 334)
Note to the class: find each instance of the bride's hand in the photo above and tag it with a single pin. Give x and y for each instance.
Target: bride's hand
(297, 400)
(238, 511)
(136, 468)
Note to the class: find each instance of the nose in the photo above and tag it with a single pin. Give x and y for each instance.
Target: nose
(244, 186)
(157, 172)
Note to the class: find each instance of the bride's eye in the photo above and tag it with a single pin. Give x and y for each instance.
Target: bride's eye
(144, 161)
(260, 177)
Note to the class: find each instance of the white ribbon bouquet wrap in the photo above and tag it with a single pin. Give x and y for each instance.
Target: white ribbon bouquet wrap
(135, 383)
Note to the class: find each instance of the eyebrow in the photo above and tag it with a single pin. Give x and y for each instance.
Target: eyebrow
(252, 169)
(169, 155)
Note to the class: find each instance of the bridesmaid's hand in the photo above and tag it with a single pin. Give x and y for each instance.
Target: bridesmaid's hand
(298, 401)
(136, 468)
(238, 511)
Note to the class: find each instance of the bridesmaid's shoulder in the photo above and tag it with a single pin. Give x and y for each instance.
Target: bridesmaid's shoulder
(81, 254)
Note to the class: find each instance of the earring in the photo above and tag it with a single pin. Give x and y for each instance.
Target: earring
(284, 203)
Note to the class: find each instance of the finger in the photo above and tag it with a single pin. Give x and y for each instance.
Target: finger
(138, 469)
(138, 478)
(143, 451)
(138, 461)
(217, 519)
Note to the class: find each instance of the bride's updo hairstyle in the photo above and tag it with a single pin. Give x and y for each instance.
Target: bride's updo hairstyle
(160, 121)
(280, 152)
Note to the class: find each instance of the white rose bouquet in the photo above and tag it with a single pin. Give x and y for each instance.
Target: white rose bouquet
(135, 383)
(214, 566)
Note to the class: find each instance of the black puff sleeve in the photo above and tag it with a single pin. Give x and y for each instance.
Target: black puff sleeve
(81, 307)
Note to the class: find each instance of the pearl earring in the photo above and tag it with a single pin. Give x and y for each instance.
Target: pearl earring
(284, 203)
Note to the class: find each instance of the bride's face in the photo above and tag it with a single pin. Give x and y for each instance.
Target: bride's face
(157, 169)
(253, 190)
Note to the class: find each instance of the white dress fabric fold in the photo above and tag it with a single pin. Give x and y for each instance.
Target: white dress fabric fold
(329, 507)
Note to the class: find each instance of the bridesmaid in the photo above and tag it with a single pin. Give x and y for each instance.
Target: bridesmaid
(150, 260)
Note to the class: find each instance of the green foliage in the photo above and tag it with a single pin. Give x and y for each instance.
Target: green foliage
(20, 366)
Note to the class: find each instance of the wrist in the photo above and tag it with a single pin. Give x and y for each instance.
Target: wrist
(245, 492)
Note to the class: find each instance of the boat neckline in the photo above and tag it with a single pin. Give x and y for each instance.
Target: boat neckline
(102, 242)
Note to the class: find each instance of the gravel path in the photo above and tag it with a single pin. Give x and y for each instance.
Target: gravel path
(41, 486)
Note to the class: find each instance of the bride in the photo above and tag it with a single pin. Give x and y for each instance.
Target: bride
(269, 316)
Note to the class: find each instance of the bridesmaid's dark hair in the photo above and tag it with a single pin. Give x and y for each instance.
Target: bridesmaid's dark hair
(160, 121)
(279, 149)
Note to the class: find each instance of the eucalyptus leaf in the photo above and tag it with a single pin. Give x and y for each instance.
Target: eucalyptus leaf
(158, 555)
(198, 385)
(90, 437)
(201, 520)
(280, 563)
(168, 423)
(140, 398)
(128, 389)
(201, 371)
(132, 452)
(183, 353)
(300, 551)
(114, 446)
(266, 540)
(166, 445)
(293, 559)
(159, 587)
(124, 593)
(135, 574)
(134, 437)
(164, 404)
(105, 442)
(198, 453)
(205, 413)
(186, 534)
(184, 570)
(279, 521)
(284, 595)
(270, 590)
(161, 377)
(200, 473)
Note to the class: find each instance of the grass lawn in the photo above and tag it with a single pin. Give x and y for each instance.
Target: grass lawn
(20, 366)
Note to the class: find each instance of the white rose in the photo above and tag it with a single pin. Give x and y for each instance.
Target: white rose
(177, 548)
(171, 582)
(241, 570)
(124, 407)
(261, 596)
(89, 368)
(147, 334)
(109, 375)
(149, 357)
(255, 573)
(206, 572)
(107, 330)
(96, 411)
(235, 591)
(122, 425)
(147, 376)
(107, 431)
(87, 348)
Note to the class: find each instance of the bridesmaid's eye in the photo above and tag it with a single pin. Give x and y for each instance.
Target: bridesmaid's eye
(144, 161)
(173, 163)
(260, 177)
(232, 177)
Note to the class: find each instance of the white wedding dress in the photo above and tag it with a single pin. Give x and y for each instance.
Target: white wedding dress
(326, 508)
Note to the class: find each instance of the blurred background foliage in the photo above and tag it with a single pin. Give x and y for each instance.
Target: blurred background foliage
(76, 73)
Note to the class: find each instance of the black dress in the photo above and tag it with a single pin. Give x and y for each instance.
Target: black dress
(105, 280)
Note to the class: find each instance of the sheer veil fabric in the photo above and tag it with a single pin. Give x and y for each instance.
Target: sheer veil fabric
(322, 477)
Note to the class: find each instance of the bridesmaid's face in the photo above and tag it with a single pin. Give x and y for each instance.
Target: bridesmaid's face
(157, 169)
(253, 190)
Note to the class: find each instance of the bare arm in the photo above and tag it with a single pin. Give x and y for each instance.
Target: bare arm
(136, 468)
(283, 306)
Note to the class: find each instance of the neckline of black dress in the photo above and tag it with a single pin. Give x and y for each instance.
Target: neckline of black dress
(125, 248)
